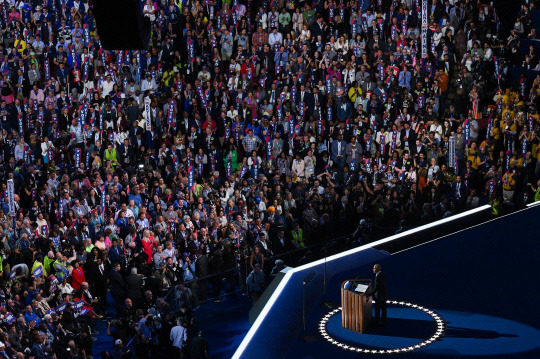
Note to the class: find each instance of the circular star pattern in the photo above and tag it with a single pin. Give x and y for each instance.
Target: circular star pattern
(439, 332)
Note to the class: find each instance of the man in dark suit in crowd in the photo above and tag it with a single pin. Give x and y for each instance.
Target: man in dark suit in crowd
(281, 244)
(126, 153)
(91, 299)
(118, 285)
(408, 136)
(134, 283)
(202, 271)
(99, 277)
(199, 347)
(380, 294)
(307, 98)
(245, 112)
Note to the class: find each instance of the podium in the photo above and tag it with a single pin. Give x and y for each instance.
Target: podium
(355, 305)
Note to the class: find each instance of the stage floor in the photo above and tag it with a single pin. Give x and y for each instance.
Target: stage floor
(483, 282)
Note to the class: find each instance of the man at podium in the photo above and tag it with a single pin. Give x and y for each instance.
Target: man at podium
(380, 295)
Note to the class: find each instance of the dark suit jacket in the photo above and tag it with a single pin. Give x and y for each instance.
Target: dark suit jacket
(118, 285)
(462, 191)
(321, 99)
(379, 291)
(317, 29)
(86, 297)
(435, 12)
(97, 280)
(411, 139)
(334, 149)
(126, 152)
(281, 248)
(134, 286)
(247, 116)
(201, 266)
(308, 100)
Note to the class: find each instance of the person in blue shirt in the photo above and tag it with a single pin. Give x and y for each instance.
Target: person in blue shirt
(344, 110)
(253, 125)
(30, 316)
(135, 196)
(121, 221)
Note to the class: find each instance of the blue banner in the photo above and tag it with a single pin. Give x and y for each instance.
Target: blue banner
(77, 157)
(200, 164)
(489, 127)
(243, 171)
(467, 131)
(202, 96)
(229, 168)
(191, 50)
(10, 318)
(424, 28)
(21, 125)
(269, 147)
(61, 307)
(171, 119)
(102, 198)
(191, 179)
(38, 272)
(328, 84)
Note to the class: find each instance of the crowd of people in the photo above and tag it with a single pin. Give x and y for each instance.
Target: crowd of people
(247, 131)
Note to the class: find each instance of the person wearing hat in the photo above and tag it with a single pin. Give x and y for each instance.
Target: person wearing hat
(120, 351)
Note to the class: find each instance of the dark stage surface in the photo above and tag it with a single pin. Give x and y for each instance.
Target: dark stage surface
(484, 282)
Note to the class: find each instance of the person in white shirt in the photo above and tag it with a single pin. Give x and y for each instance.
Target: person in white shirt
(148, 84)
(170, 251)
(76, 131)
(179, 335)
(275, 37)
(45, 146)
(106, 86)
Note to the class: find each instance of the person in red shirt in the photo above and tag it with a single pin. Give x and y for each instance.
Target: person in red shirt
(77, 275)
(209, 122)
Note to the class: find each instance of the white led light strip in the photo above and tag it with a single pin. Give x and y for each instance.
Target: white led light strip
(441, 328)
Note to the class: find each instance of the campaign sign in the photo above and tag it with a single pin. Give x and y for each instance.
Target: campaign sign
(38, 272)
(78, 305)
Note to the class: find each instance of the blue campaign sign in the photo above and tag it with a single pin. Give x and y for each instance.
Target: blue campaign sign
(78, 305)
(10, 318)
(61, 307)
(38, 272)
